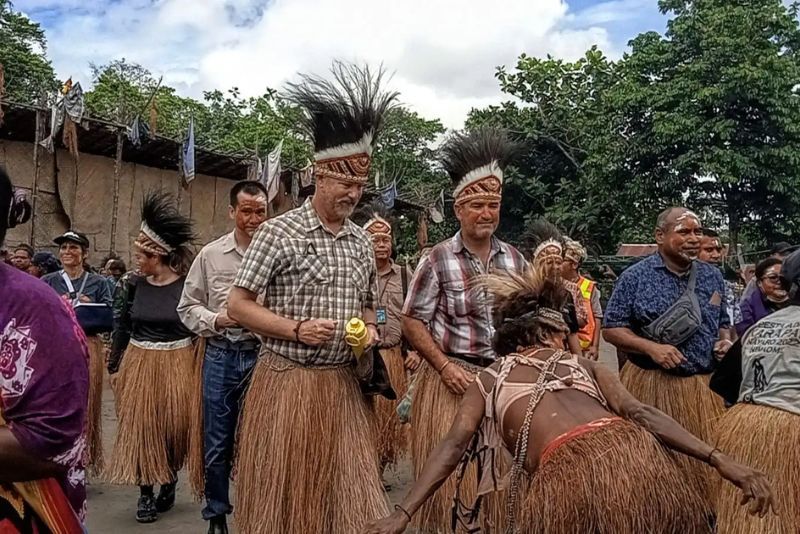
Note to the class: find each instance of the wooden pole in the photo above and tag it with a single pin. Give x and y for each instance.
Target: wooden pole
(115, 206)
(35, 185)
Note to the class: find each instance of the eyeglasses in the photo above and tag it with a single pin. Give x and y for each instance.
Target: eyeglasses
(774, 278)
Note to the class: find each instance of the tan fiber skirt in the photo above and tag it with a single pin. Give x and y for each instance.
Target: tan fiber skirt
(154, 396)
(616, 479)
(766, 439)
(391, 437)
(94, 417)
(306, 459)
(691, 403)
(432, 413)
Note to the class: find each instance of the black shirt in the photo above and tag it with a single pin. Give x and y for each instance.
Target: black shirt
(154, 315)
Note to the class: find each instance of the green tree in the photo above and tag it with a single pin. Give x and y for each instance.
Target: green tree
(28, 72)
(712, 112)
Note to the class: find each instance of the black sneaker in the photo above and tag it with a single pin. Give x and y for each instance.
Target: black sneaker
(146, 510)
(218, 525)
(166, 498)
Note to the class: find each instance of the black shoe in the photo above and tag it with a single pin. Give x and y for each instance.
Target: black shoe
(166, 498)
(218, 525)
(146, 510)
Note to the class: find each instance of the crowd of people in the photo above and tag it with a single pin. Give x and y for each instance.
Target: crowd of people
(281, 356)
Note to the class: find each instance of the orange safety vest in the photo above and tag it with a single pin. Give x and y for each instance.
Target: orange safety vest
(586, 334)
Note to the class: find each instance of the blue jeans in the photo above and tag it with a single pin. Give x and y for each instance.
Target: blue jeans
(226, 373)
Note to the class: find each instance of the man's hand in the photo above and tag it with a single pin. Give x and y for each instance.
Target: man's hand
(754, 484)
(721, 348)
(412, 361)
(591, 353)
(455, 378)
(391, 524)
(223, 321)
(316, 332)
(373, 338)
(666, 356)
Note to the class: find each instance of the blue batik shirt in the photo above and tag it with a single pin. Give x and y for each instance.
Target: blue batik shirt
(646, 290)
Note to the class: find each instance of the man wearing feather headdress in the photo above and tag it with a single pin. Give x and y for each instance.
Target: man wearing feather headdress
(307, 456)
(448, 321)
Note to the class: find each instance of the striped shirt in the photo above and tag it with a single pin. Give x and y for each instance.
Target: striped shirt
(307, 272)
(459, 317)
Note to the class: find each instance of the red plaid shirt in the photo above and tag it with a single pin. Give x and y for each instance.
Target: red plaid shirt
(458, 317)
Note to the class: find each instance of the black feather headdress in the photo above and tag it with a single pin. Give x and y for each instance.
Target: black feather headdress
(164, 229)
(343, 116)
(476, 160)
(539, 235)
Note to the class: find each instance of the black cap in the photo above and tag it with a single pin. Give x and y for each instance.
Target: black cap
(72, 237)
(791, 268)
(781, 248)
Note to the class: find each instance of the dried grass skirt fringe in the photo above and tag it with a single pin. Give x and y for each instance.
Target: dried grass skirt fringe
(94, 418)
(432, 413)
(392, 435)
(691, 403)
(616, 479)
(154, 395)
(307, 460)
(195, 462)
(766, 439)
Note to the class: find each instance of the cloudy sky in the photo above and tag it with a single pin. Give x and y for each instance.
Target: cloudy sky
(442, 52)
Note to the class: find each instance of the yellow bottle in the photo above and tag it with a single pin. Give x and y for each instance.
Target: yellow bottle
(355, 334)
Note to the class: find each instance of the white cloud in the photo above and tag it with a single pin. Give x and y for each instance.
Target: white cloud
(443, 52)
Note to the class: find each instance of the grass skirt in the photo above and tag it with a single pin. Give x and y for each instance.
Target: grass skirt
(691, 403)
(616, 479)
(195, 462)
(306, 455)
(94, 426)
(391, 433)
(766, 439)
(432, 413)
(154, 395)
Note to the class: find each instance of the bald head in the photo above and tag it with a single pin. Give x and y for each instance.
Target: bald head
(670, 217)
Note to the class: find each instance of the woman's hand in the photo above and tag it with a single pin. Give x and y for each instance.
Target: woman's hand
(754, 484)
(395, 523)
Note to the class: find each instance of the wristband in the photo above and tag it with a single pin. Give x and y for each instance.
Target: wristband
(297, 330)
(448, 362)
(398, 507)
(711, 454)
(371, 324)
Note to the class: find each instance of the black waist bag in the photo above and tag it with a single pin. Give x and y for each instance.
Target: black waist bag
(681, 320)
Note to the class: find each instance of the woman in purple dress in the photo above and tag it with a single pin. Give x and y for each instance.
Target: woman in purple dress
(44, 378)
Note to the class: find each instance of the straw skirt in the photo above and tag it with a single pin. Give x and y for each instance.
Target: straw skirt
(766, 439)
(391, 437)
(154, 396)
(615, 479)
(306, 454)
(94, 428)
(691, 403)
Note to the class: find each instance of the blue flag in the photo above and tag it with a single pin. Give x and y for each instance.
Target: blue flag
(388, 194)
(187, 154)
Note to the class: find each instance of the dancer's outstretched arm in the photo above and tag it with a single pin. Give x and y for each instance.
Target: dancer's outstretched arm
(439, 466)
(753, 484)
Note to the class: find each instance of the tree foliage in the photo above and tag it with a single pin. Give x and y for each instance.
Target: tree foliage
(28, 72)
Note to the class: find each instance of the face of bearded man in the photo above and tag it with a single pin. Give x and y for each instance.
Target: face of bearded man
(478, 218)
(339, 198)
(680, 237)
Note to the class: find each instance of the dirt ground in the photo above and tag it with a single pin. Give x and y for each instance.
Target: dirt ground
(112, 508)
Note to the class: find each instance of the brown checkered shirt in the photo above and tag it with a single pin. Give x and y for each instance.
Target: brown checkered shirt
(458, 316)
(307, 272)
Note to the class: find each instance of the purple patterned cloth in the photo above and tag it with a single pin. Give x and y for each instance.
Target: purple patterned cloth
(44, 377)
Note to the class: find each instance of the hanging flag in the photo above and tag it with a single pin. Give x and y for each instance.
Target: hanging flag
(295, 189)
(270, 176)
(187, 155)
(307, 175)
(377, 180)
(73, 102)
(388, 194)
(422, 230)
(138, 132)
(437, 210)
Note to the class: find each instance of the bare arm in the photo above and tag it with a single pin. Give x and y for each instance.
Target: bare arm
(574, 344)
(440, 464)
(420, 338)
(753, 483)
(17, 465)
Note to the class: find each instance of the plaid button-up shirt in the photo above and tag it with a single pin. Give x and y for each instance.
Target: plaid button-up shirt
(459, 317)
(306, 272)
